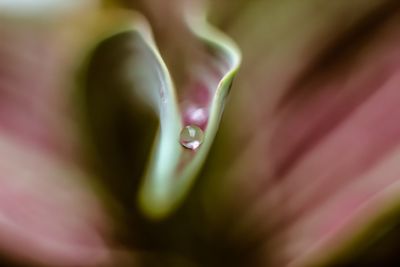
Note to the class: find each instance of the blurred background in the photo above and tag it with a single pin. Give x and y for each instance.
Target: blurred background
(304, 170)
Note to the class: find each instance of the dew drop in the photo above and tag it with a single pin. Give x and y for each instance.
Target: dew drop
(191, 137)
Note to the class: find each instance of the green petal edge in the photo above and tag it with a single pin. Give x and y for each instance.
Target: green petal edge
(171, 169)
(166, 183)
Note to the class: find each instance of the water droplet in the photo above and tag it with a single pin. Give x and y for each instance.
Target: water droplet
(191, 137)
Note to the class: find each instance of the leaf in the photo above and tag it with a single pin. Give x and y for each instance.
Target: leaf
(126, 69)
(119, 125)
(168, 181)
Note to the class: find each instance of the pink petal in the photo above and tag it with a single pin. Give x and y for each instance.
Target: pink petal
(48, 213)
(322, 164)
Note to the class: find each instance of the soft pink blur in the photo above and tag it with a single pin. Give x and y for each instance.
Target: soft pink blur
(49, 212)
(320, 158)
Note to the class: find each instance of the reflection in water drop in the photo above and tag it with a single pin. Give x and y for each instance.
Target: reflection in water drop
(191, 137)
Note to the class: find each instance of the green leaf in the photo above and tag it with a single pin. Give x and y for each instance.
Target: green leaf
(116, 113)
(172, 173)
(126, 70)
